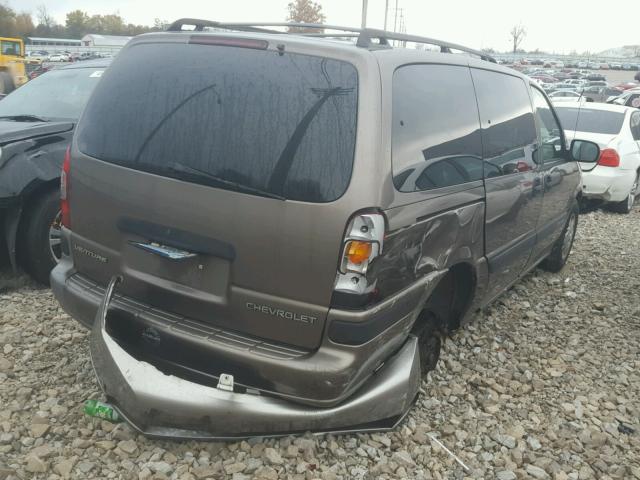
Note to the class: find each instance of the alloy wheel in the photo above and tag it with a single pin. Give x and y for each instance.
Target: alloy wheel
(55, 238)
(568, 236)
(632, 194)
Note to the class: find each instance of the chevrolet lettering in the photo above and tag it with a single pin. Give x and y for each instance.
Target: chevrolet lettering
(277, 312)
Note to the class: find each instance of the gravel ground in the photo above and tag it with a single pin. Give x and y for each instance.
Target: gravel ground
(545, 384)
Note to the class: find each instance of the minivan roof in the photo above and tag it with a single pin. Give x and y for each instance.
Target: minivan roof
(364, 36)
(350, 41)
(399, 56)
(387, 56)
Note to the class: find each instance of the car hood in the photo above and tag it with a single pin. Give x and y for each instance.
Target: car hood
(11, 131)
(603, 140)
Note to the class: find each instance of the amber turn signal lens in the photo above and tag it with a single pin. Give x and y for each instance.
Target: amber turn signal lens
(358, 252)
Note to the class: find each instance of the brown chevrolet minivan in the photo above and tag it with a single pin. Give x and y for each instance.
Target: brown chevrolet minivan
(270, 233)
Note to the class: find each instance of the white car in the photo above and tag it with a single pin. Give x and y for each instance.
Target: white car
(37, 55)
(565, 96)
(616, 129)
(578, 82)
(58, 57)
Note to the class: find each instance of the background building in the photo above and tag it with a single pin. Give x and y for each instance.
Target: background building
(109, 41)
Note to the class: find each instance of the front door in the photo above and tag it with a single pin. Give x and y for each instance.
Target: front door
(559, 177)
(509, 140)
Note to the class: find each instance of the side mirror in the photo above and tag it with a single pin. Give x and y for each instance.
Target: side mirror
(585, 151)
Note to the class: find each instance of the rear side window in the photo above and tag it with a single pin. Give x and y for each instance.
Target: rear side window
(436, 132)
(56, 94)
(590, 120)
(509, 134)
(235, 118)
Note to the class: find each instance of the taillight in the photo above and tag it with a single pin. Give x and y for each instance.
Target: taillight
(609, 158)
(65, 189)
(362, 243)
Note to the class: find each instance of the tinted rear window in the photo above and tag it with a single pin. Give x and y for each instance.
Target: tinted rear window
(591, 121)
(283, 124)
(436, 132)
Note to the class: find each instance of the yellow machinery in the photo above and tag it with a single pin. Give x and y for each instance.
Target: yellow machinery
(12, 69)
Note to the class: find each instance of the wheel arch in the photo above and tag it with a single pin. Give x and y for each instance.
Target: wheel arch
(21, 214)
(452, 297)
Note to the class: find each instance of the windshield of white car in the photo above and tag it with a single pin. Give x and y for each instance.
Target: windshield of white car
(590, 121)
(55, 94)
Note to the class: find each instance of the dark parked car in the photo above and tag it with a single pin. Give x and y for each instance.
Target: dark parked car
(545, 78)
(278, 240)
(88, 56)
(36, 124)
(599, 93)
(39, 71)
(561, 76)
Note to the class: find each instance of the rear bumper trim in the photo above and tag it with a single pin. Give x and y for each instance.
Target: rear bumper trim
(162, 405)
(178, 323)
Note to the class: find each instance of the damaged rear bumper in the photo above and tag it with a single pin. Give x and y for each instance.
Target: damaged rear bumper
(161, 405)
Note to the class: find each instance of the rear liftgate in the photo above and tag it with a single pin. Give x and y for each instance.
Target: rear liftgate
(160, 405)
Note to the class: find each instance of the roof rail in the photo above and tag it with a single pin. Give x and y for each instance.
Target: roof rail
(364, 36)
(199, 25)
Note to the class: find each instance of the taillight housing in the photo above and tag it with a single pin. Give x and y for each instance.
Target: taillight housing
(362, 244)
(65, 188)
(609, 158)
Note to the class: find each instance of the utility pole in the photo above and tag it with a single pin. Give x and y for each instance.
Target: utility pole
(364, 13)
(402, 27)
(386, 11)
(395, 20)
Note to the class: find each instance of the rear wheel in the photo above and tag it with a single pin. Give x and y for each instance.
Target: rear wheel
(6, 83)
(429, 332)
(626, 205)
(561, 249)
(43, 236)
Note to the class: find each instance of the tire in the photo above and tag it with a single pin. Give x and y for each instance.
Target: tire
(587, 206)
(561, 249)
(6, 83)
(40, 252)
(429, 332)
(626, 205)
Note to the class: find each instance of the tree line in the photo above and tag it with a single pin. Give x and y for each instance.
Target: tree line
(77, 24)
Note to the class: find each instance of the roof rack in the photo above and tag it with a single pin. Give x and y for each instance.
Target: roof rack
(365, 36)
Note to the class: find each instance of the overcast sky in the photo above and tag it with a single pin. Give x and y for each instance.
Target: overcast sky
(552, 25)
